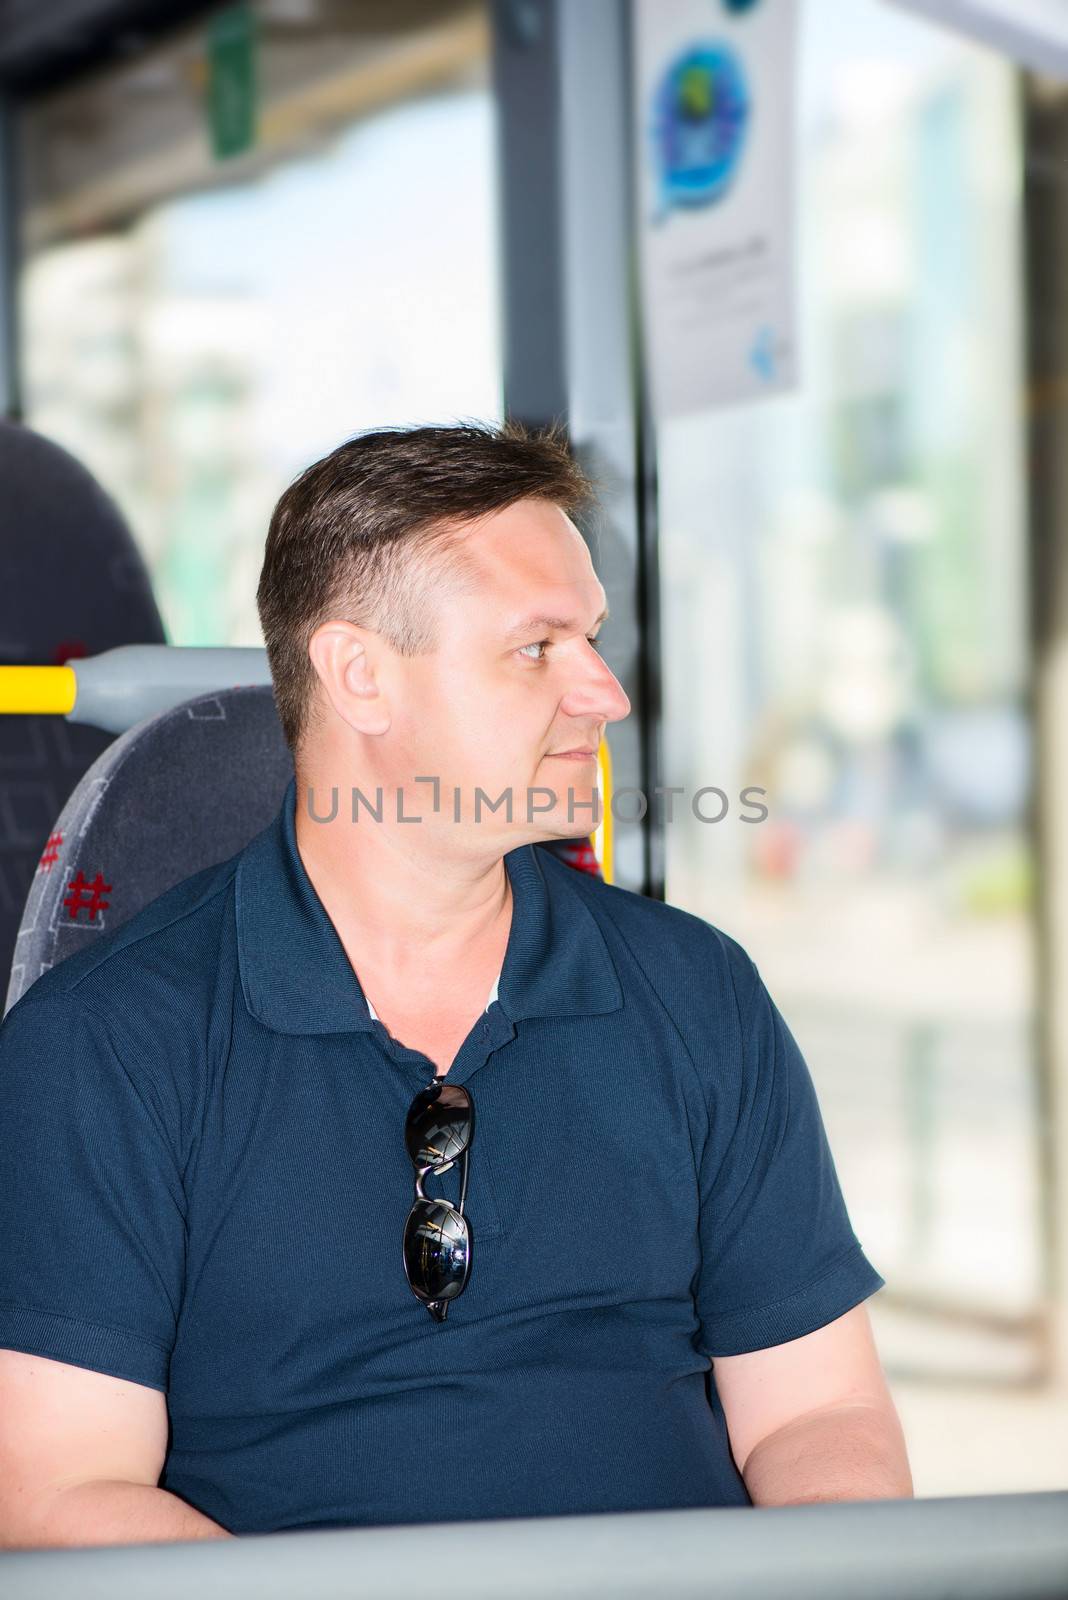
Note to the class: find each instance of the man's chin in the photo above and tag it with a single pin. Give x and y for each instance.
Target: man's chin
(553, 828)
(551, 812)
(579, 813)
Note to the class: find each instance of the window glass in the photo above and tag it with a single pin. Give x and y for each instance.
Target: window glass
(844, 619)
(198, 330)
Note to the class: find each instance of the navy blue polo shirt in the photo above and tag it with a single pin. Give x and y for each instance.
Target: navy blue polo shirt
(204, 1185)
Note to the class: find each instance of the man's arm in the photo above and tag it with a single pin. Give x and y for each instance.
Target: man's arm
(812, 1419)
(101, 1512)
(80, 1459)
(843, 1453)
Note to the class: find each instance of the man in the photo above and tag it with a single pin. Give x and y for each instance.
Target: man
(204, 1180)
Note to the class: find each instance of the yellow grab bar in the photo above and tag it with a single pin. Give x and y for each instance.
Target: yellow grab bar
(38, 689)
(602, 837)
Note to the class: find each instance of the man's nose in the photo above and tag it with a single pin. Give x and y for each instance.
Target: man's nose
(596, 692)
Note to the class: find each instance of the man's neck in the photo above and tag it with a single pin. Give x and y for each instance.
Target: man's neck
(401, 905)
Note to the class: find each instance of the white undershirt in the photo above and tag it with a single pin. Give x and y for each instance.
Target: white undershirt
(489, 1002)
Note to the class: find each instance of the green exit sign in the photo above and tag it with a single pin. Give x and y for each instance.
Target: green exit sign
(231, 95)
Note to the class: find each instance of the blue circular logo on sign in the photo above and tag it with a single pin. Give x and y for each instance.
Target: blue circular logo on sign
(740, 5)
(701, 112)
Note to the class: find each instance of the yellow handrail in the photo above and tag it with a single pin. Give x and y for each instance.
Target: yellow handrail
(39, 690)
(602, 837)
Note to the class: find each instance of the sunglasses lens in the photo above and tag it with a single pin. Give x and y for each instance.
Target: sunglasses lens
(441, 1121)
(437, 1250)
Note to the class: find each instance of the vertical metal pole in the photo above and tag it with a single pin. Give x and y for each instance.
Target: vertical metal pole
(525, 70)
(10, 396)
(572, 347)
(1046, 250)
(919, 1089)
(650, 659)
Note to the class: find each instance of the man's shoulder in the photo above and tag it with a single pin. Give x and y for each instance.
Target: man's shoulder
(672, 945)
(166, 953)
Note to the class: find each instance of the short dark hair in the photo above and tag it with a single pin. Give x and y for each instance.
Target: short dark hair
(369, 534)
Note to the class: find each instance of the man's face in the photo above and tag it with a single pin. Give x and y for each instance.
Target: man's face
(505, 696)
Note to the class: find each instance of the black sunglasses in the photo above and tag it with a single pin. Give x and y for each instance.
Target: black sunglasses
(437, 1237)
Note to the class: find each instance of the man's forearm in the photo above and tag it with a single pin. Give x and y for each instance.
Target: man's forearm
(105, 1512)
(846, 1453)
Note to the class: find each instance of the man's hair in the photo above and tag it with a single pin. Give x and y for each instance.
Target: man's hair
(369, 534)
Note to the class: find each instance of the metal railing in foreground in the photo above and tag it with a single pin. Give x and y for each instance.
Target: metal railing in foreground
(990, 1547)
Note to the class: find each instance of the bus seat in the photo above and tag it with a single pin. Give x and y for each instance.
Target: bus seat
(175, 793)
(74, 584)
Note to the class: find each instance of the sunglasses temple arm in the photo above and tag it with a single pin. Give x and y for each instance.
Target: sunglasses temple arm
(463, 1179)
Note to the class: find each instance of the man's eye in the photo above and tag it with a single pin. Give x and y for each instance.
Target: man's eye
(539, 644)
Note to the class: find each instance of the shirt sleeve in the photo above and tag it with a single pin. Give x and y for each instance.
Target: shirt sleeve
(779, 1257)
(92, 1221)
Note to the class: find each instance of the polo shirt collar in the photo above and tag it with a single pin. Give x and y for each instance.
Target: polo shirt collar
(297, 977)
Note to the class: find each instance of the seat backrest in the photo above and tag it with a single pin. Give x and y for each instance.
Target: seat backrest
(73, 584)
(175, 793)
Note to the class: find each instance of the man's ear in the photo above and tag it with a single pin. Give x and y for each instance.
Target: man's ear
(343, 655)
